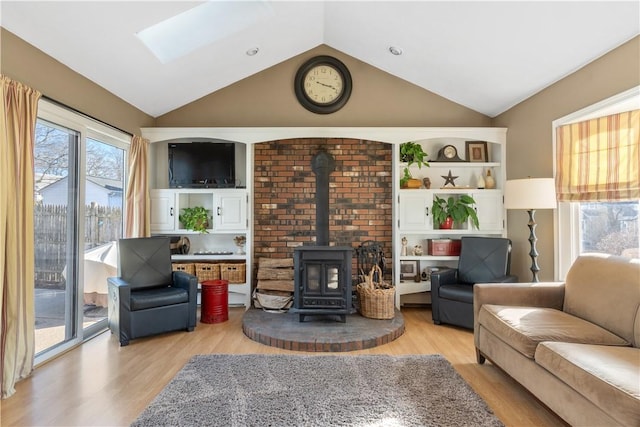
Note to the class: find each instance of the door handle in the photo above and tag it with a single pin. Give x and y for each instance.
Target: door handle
(218, 210)
(171, 212)
(426, 211)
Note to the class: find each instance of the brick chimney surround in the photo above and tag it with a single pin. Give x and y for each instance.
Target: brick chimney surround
(360, 195)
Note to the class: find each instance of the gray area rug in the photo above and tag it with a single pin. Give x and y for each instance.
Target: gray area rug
(302, 390)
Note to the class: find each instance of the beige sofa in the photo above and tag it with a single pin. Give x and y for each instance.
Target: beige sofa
(574, 345)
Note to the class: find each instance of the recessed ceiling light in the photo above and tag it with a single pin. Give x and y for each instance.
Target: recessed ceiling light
(395, 50)
(202, 25)
(253, 51)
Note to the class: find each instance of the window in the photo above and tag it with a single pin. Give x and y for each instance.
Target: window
(605, 226)
(79, 176)
(609, 227)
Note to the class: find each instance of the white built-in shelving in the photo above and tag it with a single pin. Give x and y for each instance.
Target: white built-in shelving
(412, 210)
(432, 139)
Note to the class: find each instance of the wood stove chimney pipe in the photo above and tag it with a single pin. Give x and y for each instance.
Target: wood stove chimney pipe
(322, 165)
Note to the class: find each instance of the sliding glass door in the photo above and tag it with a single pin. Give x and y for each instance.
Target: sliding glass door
(55, 224)
(80, 178)
(103, 226)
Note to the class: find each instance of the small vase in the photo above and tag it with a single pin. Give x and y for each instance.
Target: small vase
(489, 182)
(481, 184)
(447, 224)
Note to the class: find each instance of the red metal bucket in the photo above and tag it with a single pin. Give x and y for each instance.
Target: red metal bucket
(215, 301)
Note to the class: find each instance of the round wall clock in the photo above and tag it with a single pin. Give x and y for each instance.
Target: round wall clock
(323, 85)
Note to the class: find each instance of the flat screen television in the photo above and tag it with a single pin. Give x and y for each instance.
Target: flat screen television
(202, 165)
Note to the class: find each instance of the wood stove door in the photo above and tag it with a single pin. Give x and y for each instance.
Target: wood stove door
(322, 284)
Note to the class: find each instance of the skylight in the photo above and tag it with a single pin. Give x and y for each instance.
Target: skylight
(201, 26)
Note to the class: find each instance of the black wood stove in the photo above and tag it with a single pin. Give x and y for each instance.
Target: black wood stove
(322, 281)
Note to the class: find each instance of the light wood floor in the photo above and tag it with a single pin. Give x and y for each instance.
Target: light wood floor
(100, 383)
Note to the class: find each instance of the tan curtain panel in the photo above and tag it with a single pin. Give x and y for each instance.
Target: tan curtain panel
(17, 323)
(599, 159)
(137, 219)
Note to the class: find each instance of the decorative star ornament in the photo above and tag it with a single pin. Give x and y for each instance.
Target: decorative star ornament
(449, 179)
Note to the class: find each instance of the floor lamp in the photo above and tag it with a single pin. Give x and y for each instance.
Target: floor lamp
(531, 194)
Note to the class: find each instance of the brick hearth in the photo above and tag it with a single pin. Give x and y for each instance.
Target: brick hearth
(283, 330)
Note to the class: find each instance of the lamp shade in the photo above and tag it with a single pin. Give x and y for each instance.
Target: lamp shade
(530, 193)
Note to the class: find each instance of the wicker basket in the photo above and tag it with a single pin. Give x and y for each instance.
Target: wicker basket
(377, 299)
(234, 273)
(189, 268)
(207, 271)
(272, 302)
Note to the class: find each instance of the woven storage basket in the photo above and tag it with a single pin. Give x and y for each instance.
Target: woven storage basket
(207, 271)
(189, 268)
(234, 273)
(377, 299)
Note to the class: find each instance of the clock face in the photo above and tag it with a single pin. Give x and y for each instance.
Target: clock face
(323, 85)
(450, 151)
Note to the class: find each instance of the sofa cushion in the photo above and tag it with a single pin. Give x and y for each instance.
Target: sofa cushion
(524, 327)
(608, 376)
(605, 290)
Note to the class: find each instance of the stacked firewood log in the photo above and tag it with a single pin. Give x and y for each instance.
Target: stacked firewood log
(275, 284)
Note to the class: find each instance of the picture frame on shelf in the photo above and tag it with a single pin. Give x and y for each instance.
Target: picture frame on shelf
(477, 151)
(408, 269)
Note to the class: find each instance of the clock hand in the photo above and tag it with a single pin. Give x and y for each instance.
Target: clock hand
(325, 85)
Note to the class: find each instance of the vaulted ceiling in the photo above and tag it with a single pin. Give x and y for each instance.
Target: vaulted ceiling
(487, 56)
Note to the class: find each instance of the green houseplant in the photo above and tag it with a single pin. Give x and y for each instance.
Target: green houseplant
(458, 209)
(411, 153)
(195, 218)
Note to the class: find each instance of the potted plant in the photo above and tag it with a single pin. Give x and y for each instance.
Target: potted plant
(453, 210)
(195, 218)
(411, 153)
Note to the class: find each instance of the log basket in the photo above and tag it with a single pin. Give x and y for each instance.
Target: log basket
(376, 297)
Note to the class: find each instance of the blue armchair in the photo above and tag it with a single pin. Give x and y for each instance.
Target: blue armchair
(482, 260)
(149, 298)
